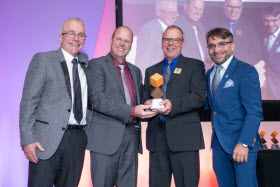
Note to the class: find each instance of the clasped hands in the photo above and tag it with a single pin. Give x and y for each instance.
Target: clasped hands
(144, 111)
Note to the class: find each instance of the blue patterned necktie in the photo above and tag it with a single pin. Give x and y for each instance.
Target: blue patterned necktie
(78, 106)
(166, 77)
(216, 79)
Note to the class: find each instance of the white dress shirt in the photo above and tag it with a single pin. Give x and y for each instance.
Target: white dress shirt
(84, 88)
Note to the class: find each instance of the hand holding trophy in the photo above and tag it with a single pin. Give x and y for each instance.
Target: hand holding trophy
(156, 80)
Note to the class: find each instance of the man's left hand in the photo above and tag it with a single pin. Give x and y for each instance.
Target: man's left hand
(240, 153)
(168, 107)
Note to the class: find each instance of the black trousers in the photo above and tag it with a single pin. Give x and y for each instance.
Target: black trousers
(184, 165)
(64, 168)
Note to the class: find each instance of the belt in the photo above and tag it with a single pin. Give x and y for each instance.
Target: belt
(75, 127)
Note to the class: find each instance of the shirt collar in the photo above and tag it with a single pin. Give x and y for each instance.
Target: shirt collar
(164, 26)
(67, 56)
(117, 63)
(174, 61)
(276, 33)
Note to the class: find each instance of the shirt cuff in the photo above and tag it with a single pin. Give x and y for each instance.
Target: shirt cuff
(132, 113)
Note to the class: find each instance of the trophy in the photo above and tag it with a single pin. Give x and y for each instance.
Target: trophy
(263, 140)
(275, 145)
(156, 80)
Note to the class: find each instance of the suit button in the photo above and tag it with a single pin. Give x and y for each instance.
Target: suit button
(69, 110)
(215, 113)
(63, 128)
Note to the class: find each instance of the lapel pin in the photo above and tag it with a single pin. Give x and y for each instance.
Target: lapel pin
(226, 76)
(177, 70)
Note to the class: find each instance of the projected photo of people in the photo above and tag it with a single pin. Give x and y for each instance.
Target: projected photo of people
(254, 24)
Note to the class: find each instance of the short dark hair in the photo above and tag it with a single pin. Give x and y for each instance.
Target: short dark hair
(271, 9)
(219, 32)
(175, 27)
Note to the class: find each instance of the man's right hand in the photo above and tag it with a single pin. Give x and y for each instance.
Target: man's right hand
(143, 112)
(29, 151)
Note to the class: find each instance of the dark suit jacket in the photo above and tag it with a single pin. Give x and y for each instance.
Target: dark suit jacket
(237, 106)
(272, 64)
(110, 111)
(191, 47)
(148, 50)
(187, 92)
(46, 101)
(247, 40)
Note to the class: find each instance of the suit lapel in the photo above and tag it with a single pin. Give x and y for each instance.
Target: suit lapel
(134, 77)
(65, 71)
(225, 78)
(115, 74)
(274, 47)
(209, 93)
(180, 65)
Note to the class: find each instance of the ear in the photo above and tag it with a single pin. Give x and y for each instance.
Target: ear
(232, 46)
(60, 38)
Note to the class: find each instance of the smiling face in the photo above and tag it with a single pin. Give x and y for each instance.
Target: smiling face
(220, 54)
(271, 23)
(233, 9)
(194, 9)
(75, 44)
(170, 49)
(121, 43)
(167, 12)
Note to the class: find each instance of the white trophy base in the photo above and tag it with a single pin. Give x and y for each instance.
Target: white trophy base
(155, 104)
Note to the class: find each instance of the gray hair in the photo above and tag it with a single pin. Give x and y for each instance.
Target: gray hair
(71, 19)
(175, 27)
(159, 2)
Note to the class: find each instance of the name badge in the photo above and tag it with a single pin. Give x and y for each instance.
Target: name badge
(177, 70)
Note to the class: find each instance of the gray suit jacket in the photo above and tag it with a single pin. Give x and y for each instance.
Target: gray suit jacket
(46, 101)
(148, 51)
(110, 111)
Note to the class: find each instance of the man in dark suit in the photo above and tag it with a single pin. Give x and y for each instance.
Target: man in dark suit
(234, 96)
(148, 50)
(174, 137)
(114, 133)
(194, 31)
(271, 19)
(246, 36)
(53, 111)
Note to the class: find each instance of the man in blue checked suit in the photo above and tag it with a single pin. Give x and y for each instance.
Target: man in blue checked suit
(234, 97)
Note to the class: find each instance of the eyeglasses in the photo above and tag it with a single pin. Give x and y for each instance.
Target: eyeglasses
(220, 45)
(233, 7)
(267, 21)
(174, 40)
(170, 12)
(71, 34)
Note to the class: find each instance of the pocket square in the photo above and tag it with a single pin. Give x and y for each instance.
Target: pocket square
(229, 83)
(278, 49)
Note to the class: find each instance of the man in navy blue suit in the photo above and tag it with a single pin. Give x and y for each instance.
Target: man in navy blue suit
(271, 20)
(234, 97)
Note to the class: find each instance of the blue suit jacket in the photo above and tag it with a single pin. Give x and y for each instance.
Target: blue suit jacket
(273, 70)
(237, 106)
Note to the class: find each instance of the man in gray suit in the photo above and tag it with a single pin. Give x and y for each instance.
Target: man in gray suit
(114, 133)
(53, 111)
(194, 31)
(148, 50)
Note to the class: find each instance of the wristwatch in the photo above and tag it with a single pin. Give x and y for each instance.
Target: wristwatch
(244, 145)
